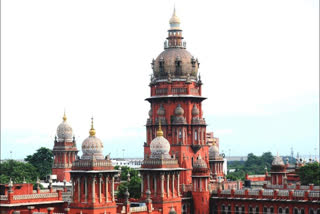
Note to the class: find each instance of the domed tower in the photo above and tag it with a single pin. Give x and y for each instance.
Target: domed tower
(93, 179)
(278, 171)
(200, 183)
(176, 101)
(160, 174)
(216, 163)
(64, 151)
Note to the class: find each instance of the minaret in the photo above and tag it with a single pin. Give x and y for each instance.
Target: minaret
(64, 151)
(278, 171)
(176, 100)
(216, 163)
(93, 179)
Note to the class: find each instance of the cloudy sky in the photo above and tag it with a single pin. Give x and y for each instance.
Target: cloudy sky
(259, 64)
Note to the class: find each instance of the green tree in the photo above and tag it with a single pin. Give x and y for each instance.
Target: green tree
(310, 174)
(42, 160)
(133, 185)
(17, 171)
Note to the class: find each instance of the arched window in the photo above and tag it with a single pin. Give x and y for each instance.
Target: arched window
(250, 210)
(180, 133)
(302, 211)
(223, 209)
(287, 210)
(280, 210)
(271, 210)
(318, 211)
(257, 210)
(311, 211)
(295, 211)
(265, 210)
(229, 209)
(195, 135)
(237, 209)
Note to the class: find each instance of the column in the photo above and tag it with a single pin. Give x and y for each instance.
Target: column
(100, 181)
(86, 190)
(93, 189)
(206, 180)
(72, 192)
(107, 183)
(79, 190)
(155, 185)
(172, 185)
(142, 184)
(148, 181)
(112, 188)
(168, 178)
(162, 184)
(178, 184)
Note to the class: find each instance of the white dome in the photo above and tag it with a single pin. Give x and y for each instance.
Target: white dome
(213, 152)
(160, 146)
(92, 147)
(277, 161)
(64, 131)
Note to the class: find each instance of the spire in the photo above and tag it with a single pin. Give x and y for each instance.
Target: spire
(64, 115)
(159, 132)
(174, 20)
(92, 130)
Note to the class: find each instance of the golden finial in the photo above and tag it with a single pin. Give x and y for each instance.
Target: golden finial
(159, 132)
(64, 116)
(92, 131)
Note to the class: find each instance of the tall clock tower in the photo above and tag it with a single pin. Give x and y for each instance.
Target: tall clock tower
(175, 99)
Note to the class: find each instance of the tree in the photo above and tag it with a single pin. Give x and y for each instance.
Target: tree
(310, 174)
(133, 185)
(17, 171)
(42, 160)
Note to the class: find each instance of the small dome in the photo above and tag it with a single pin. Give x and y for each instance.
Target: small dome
(213, 152)
(160, 146)
(92, 147)
(64, 131)
(195, 110)
(161, 111)
(179, 110)
(277, 161)
(200, 163)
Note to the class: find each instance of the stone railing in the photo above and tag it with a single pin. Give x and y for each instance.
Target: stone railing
(226, 192)
(305, 187)
(89, 163)
(67, 196)
(159, 161)
(316, 187)
(274, 186)
(3, 197)
(283, 193)
(35, 196)
(138, 209)
(239, 192)
(267, 192)
(298, 193)
(291, 186)
(314, 194)
(61, 165)
(254, 192)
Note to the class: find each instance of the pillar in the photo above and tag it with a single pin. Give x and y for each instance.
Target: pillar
(107, 183)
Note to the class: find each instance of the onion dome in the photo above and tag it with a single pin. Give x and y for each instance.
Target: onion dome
(179, 110)
(64, 131)
(92, 147)
(160, 146)
(200, 163)
(195, 110)
(161, 111)
(277, 161)
(213, 152)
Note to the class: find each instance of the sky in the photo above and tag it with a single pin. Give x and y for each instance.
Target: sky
(259, 62)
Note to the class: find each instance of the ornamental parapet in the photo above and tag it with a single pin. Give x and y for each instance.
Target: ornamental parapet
(306, 195)
(138, 209)
(159, 162)
(85, 164)
(36, 196)
(61, 165)
(292, 186)
(3, 197)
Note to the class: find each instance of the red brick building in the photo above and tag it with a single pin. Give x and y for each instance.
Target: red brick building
(181, 171)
